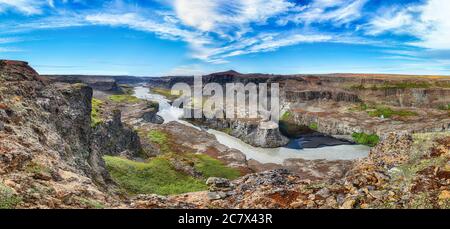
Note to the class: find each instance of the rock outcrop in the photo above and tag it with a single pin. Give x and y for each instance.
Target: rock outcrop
(253, 132)
(112, 137)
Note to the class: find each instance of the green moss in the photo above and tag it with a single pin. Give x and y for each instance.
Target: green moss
(37, 168)
(358, 87)
(124, 99)
(360, 107)
(93, 204)
(286, 116)
(444, 107)
(391, 85)
(95, 112)
(410, 169)
(366, 139)
(405, 85)
(154, 177)
(210, 167)
(443, 84)
(387, 112)
(159, 138)
(227, 130)
(166, 93)
(8, 200)
(314, 126)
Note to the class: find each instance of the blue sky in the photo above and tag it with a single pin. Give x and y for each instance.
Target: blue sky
(186, 37)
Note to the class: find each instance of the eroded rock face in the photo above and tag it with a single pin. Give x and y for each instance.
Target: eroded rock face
(114, 138)
(253, 132)
(101, 83)
(45, 146)
(338, 96)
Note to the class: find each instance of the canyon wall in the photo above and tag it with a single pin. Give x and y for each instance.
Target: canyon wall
(47, 142)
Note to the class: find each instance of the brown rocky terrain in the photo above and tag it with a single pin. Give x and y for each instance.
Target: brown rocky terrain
(52, 154)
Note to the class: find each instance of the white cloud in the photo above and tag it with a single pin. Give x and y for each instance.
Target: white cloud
(10, 50)
(28, 7)
(220, 16)
(7, 40)
(336, 12)
(272, 42)
(429, 22)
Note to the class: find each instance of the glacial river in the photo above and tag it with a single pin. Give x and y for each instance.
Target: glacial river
(263, 155)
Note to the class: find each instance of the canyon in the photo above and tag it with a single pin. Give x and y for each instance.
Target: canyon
(93, 142)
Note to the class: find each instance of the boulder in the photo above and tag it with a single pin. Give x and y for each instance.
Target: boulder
(218, 184)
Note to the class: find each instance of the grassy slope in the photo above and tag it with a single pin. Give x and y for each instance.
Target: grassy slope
(124, 99)
(156, 176)
(159, 176)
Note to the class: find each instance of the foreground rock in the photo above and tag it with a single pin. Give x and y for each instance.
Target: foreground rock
(414, 178)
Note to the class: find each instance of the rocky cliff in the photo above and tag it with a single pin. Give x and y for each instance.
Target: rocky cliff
(49, 154)
(344, 104)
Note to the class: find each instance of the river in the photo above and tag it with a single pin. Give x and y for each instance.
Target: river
(263, 155)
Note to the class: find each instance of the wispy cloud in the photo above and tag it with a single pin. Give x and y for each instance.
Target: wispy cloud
(337, 12)
(429, 22)
(28, 7)
(8, 40)
(10, 50)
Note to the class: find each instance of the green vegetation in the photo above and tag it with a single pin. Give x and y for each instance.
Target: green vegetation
(37, 169)
(227, 131)
(8, 199)
(159, 138)
(211, 167)
(366, 139)
(443, 84)
(124, 99)
(95, 112)
(444, 107)
(314, 126)
(166, 93)
(166, 173)
(360, 107)
(286, 116)
(387, 112)
(392, 85)
(405, 85)
(410, 169)
(156, 176)
(93, 204)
